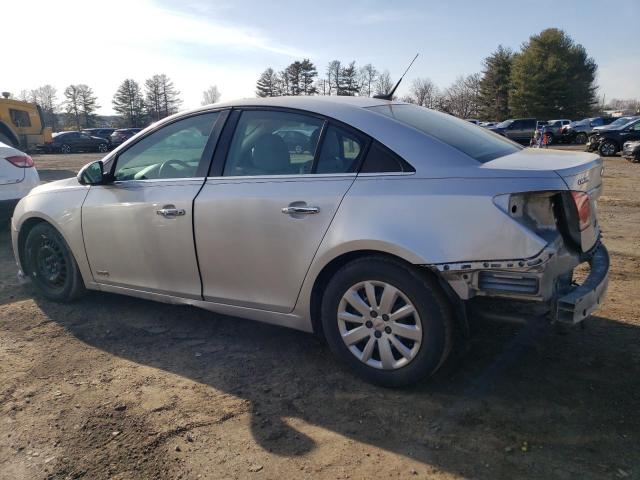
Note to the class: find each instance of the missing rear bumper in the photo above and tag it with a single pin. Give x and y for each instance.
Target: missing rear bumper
(582, 300)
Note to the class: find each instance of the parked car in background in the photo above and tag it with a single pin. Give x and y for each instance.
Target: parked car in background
(473, 120)
(554, 129)
(631, 151)
(593, 143)
(328, 241)
(68, 142)
(488, 124)
(101, 132)
(520, 130)
(18, 176)
(579, 131)
(297, 140)
(608, 142)
(121, 135)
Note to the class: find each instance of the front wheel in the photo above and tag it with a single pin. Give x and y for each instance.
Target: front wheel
(389, 322)
(581, 138)
(102, 148)
(50, 264)
(608, 148)
(64, 148)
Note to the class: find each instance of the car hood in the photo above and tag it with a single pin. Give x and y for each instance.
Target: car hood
(58, 185)
(579, 170)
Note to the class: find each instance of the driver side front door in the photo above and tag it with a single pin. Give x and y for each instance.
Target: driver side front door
(138, 230)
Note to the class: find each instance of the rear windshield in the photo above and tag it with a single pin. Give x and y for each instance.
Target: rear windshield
(477, 142)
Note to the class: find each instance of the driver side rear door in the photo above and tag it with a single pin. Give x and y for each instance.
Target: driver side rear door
(138, 230)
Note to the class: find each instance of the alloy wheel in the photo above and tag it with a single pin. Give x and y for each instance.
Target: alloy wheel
(102, 147)
(607, 149)
(65, 148)
(379, 325)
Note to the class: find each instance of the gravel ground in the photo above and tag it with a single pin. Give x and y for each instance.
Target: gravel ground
(121, 388)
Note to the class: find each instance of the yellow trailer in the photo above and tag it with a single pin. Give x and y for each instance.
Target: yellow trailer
(22, 124)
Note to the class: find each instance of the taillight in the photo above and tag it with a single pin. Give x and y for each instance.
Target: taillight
(583, 206)
(21, 161)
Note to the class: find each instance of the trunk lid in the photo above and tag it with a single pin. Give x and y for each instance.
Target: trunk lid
(580, 171)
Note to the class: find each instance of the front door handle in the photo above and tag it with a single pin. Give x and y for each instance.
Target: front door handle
(171, 211)
(300, 210)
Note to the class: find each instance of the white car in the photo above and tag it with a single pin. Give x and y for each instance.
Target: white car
(18, 176)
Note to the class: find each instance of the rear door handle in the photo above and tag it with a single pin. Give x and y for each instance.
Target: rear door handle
(300, 210)
(171, 211)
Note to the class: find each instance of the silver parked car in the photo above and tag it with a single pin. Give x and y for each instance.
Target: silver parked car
(383, 234)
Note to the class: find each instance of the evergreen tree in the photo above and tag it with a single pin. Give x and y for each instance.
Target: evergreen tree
(161, 97)
(129, 103)
(494, 85)
(552, 76)
(349, 84)
(308, 75)
(268, 84)
(291, 79)
(88, 104)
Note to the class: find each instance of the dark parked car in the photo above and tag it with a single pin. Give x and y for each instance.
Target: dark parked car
(67, 142)
(517, 129)
(609, 142)
(631, 151)
(579, 131)
(100, 132)
(121, 135)
(297, 141)
(553, 130)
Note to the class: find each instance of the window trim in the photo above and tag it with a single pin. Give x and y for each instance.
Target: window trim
(205, 159)
(220, 158)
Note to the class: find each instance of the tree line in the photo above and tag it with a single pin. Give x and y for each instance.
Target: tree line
(550, 76)
(135, 105)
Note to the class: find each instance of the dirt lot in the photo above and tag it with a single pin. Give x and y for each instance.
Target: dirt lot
(114, 387)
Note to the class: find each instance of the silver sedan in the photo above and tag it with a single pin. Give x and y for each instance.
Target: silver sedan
(384, 226)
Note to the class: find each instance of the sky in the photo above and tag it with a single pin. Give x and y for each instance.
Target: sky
(228, 43)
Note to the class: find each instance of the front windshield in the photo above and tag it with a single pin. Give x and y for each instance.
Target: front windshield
(504, 124)
(477, 142)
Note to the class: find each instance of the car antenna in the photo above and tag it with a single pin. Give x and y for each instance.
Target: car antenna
(389, 96)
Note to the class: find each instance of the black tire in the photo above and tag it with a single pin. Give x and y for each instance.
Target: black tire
(103, 147)
(581, 138)
(66, 149)
(431, 303)
(50, 264)
(608, 148)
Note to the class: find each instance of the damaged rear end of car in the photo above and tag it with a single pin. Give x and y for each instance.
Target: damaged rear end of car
(567, 280)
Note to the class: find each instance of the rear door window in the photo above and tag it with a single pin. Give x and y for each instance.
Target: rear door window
(341, 151)
(269, 142)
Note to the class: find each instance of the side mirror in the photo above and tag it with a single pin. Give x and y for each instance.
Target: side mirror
(91, 174)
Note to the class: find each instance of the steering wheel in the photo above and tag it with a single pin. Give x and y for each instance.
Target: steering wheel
(169, 164)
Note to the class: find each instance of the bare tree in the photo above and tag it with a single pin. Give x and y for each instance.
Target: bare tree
(368, 77)
(210, 95)
(462, 98)
(161, 97)
(334, 77)
(383, 83)
(423, 92)
(47, 98)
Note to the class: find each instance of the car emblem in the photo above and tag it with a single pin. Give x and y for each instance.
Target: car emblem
(583, 180)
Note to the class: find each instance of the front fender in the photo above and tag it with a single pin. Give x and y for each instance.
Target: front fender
(62, 208)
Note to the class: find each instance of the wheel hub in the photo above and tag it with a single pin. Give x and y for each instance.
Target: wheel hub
(379, 325)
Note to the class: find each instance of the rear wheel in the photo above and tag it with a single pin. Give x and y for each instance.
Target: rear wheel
(391, 324)
(64, 148)
(581, 138)
(103, 147)
(608, 148)
(550, 138)
(50, 264)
